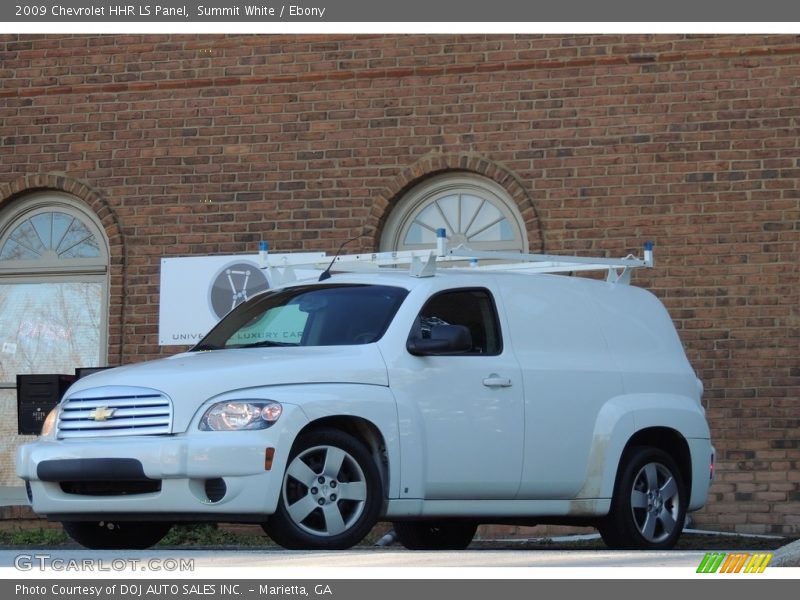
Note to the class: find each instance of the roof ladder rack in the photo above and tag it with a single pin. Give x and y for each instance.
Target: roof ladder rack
(423, 263)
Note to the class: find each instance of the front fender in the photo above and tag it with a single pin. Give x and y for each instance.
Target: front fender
(372, 403)
(621, 418)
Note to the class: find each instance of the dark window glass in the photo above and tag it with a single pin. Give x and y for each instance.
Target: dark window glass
(473, 308)
(331, 315)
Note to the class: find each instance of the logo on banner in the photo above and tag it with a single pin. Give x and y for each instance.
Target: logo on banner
(235, 283)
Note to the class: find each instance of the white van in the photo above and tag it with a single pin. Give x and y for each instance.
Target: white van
(438, 399)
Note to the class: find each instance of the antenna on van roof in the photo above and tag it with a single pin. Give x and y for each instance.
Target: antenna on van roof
(326, 274)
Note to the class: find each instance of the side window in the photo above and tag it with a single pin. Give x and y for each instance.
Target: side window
(474, 308)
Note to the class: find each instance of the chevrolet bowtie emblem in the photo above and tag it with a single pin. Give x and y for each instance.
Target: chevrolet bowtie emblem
(102, 413)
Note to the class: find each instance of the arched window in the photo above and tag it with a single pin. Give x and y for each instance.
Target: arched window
(473, 210)
(53, 287)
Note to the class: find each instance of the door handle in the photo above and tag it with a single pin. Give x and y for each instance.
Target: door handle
(495, 380)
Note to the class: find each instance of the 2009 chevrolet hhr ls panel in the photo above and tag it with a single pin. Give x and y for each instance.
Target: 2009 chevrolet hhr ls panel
(435, 398)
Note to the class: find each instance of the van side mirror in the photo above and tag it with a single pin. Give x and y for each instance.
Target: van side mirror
(445, 339)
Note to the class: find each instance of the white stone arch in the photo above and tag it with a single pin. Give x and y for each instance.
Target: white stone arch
(474, 211)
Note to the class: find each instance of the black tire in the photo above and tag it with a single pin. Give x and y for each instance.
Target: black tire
(116, 535)
(435, 535)
(331, 494)
(648, 509)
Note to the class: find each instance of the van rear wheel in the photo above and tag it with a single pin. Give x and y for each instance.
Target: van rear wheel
(648, 509)
(435, 535)
(116, 535)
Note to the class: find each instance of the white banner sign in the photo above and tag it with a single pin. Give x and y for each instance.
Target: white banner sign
(198, 291)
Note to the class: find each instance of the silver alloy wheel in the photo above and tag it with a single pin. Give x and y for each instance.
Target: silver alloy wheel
(655, 502)
(324, 491)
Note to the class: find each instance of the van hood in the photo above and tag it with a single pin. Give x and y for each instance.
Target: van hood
(191, 378)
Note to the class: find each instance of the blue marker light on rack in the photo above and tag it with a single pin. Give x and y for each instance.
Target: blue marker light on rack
(441, 241)
(648, 253)
(263, 252)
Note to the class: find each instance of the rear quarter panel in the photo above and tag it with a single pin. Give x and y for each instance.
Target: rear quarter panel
(622, 417)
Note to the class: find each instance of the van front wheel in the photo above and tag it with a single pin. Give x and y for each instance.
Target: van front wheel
(649, 504)
(331, 494)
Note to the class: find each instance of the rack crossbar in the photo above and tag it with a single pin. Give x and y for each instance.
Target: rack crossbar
(423, 263)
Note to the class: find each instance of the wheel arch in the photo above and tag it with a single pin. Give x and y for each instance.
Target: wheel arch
(667, 440)
(365, 431)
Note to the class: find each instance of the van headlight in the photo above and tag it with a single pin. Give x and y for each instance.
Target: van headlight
(237, 415)
(49, 425)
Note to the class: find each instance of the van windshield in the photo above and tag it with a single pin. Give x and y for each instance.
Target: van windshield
(312, 315)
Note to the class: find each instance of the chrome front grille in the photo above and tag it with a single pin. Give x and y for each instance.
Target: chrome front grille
(117, 411)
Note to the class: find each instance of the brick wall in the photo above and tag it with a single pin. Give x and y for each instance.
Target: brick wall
(207, 144)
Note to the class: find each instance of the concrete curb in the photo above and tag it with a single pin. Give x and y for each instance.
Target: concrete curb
(13, 495)
(787, 556)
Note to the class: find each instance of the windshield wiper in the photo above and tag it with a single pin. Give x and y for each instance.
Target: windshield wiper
(265, 344)
(202, 347)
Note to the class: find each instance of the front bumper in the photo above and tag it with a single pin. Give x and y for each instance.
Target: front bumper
(180, 466)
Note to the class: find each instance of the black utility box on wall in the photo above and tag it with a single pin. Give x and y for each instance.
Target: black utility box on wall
(36, 396)
(84, 371)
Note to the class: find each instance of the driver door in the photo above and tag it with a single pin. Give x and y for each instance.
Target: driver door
(464, 410)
